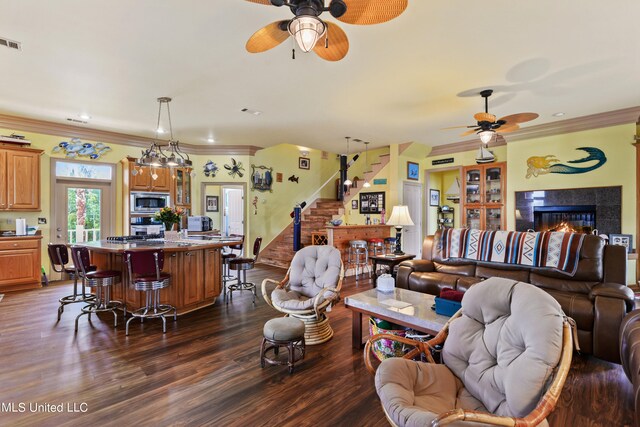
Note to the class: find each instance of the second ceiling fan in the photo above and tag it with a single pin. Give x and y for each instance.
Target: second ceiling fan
(487, 124)
(307, 28)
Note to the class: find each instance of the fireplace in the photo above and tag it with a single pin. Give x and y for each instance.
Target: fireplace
(574, 218)
(585, 208)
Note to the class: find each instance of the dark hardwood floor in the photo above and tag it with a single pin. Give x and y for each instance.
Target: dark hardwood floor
(205, 371)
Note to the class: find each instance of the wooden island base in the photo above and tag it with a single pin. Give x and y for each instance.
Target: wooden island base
(195, 274)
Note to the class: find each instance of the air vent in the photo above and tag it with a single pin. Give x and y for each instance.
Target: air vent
(69, 119)
(11, 44)
(249, 111)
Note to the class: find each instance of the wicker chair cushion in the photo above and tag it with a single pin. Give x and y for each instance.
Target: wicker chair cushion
(314, 268)
(291, 300)
(506, 344)
(414, 393)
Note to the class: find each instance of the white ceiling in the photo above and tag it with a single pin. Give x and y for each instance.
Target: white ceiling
(401, 81)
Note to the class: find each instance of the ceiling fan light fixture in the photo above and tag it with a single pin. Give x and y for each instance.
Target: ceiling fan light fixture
(306, 30)
(486, 136)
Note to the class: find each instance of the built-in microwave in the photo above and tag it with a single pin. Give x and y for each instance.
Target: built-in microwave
(148, 202)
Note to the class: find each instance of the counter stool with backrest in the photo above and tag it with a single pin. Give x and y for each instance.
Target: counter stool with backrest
(242, 265)
(358, 256)
(228, 256)
(101, 281)
(59, 258)
(146, 275)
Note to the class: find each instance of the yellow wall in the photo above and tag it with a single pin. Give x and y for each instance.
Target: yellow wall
(274, 207)
(353, 216)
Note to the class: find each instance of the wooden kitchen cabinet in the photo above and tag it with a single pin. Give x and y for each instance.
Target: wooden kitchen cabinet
(19, 179)
(212, 273)
(483, 196)
(20, 263)
(193, 277)
(143, 179)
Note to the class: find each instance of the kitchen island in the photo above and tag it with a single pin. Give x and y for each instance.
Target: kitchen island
(194, 265)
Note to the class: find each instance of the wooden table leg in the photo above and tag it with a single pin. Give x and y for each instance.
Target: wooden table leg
(356, 330)
(375, 272)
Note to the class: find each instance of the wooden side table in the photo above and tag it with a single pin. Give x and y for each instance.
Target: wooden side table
(390, 260)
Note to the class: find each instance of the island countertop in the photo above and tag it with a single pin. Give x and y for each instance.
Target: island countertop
(194, 266)
(190, 244)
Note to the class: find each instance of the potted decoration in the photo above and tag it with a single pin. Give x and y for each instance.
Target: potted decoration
(169, 216)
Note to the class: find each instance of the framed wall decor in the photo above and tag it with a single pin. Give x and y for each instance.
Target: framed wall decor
(625, 240)
(434, 197)
(372, 203)
(261, 178)
(354, 204)
(413, 171)
(304, 163)
(212, 204)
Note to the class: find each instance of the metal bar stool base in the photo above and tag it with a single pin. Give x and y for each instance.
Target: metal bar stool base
(241, 286)
(111, 306)
(72, 299)
(151, 313)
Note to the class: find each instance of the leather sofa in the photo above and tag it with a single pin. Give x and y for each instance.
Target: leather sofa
(595, 296)
(630, 355)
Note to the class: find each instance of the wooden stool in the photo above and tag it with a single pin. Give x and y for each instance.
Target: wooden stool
(282, 332)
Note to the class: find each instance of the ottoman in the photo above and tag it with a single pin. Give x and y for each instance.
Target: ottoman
(282, 332)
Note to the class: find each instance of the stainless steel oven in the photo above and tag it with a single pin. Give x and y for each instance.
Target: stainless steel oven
(148, 202)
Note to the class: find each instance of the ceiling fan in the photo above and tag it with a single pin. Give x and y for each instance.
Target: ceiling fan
(307, 28)
(487, 125)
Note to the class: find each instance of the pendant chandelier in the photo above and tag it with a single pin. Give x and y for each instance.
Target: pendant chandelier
(366, 164)
(155, 156)
(347, 181)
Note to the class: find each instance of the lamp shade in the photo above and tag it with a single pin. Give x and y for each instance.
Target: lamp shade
(306, 30)
(485, 136)
(400, 216)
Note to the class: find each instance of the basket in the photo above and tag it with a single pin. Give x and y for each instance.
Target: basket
(447, 307)
(385, 348)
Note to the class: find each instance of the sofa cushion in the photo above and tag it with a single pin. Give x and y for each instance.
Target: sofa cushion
(461, 269)
(560, 284)
(464, 283)
(506, 344)
(431, 283)
(577, 306)
(486, 270)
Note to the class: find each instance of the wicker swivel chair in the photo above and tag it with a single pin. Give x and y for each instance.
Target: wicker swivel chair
(506, 356)
(312, 284)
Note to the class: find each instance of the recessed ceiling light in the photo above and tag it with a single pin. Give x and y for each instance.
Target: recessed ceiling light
(558, 114)
(84, 116)
(160, 130)
(211, 140)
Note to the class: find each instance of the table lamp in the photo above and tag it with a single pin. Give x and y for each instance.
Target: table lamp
(399, 218)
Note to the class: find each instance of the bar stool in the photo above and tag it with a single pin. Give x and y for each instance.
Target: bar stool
(226, 257)
(101, 281)
(59, 258)
(358, 255)
(146, 275)
(376, 246)
(242, 265)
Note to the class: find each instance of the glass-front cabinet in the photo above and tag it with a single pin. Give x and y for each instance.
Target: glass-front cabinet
(484, 196)
(182, 192)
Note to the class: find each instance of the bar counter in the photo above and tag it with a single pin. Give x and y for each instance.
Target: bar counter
(194, 265)
(339, 236)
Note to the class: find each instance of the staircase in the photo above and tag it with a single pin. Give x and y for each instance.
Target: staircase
(279, 252)
(383, 160)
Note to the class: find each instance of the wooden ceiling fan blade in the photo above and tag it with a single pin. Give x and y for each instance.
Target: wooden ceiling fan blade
(519, 118)
(368, 12)
(458, 127)
(265, 2)
(267, 37)
(338, 44)
(469, 132)
(508, 129)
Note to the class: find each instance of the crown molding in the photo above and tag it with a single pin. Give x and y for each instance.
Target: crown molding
(72, 131)
(592, 121)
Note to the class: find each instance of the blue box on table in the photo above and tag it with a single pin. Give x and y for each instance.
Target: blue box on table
(447, 307)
